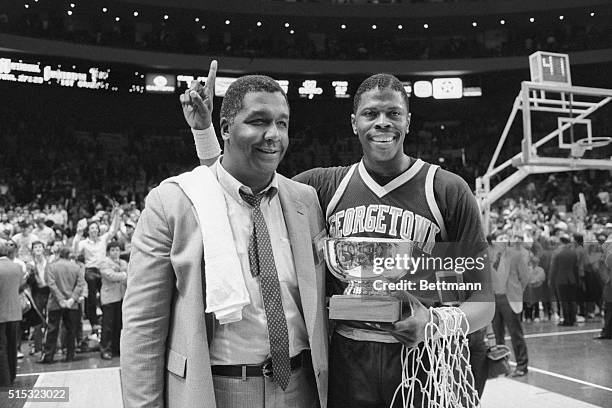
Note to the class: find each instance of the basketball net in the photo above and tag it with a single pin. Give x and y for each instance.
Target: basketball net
(445, 358)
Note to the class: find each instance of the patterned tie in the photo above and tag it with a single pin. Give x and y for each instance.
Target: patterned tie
(262, 263)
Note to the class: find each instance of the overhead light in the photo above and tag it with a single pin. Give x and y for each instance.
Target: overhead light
(117, 19)
(197, 19)
(291, 32)
(286, 25)
(227, 22)
(561, 17)
(203, 27)
(26, 5)
(104, 9)
(531, 19)
(374, 27)
(425, 25)
(474, 24)
(72, 5)
(592, 14)
(502, 22)
(135, 14)
(69, 12)
(399, 26)
(259, 24)
(343, 26)
(165, 17)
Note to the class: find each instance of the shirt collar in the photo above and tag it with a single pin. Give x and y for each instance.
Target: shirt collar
(233, 186)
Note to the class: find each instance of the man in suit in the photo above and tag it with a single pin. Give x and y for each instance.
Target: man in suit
(11, 278)
(564, 278)
(66, 284)
(510, 278)
(170, 355)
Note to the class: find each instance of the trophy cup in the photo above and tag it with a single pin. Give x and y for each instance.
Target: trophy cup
(357, 261)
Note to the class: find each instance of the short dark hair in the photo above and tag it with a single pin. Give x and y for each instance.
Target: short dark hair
(65, 252)
(380, 81)
(232, 102)
(38, 243)
(113, 244)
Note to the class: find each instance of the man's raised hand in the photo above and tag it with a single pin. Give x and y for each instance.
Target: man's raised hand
(197, 101)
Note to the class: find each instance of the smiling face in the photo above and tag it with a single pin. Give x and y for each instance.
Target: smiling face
(257, 138)
(38, 249)
(93, 230)
(381, 122)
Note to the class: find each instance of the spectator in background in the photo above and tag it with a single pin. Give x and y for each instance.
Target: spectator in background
(126, 241)
(44, 233)
(24, 241)
(66, 284)
(605, 272)
(40, 290)
(510, 278)
(114, 278)
(6, 228)
(93, 248)
(58, 215)
(54, 250)
(564, 278)
(11, 279)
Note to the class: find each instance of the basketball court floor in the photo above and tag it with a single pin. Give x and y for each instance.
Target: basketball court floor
(567, 369)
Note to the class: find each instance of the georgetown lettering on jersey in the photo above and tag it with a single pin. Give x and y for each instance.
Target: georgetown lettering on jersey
(390, 221)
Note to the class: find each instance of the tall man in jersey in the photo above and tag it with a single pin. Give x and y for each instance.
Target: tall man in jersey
(391, 195)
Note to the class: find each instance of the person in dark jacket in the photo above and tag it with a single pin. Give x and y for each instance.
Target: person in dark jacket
(564, 277)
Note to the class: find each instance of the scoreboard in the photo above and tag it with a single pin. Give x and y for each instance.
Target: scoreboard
(550, 68)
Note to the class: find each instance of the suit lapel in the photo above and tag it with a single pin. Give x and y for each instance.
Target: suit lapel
(298, 229)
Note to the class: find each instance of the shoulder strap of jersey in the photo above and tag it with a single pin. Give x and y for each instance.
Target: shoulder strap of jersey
(431, 200)
(339, 191)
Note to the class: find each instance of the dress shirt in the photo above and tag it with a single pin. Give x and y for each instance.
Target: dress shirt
(246, 341)
(40, 269)
(94, 251)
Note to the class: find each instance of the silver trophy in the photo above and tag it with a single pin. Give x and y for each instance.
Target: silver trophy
(368, 265)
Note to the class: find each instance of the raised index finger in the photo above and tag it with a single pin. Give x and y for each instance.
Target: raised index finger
(212, 75)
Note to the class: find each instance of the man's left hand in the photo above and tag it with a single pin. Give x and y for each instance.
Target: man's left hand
(410, 331)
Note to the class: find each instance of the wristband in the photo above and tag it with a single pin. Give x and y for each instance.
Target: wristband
(207, 146)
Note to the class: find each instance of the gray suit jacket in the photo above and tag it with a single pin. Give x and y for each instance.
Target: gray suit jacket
(10, 279)
(164, 347)
(518, 278)
(65, 282)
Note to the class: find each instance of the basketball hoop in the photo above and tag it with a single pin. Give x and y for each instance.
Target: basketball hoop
(580, 146)
(594, 142)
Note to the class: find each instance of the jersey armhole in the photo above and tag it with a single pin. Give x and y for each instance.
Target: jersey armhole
(339, 191)
(431, 200)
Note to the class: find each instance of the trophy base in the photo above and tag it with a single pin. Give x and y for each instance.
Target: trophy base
(385, 309)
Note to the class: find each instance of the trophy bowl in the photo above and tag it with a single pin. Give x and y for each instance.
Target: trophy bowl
(361, 262)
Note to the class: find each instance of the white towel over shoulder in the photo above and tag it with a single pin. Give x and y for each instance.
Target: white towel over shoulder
(226, 292)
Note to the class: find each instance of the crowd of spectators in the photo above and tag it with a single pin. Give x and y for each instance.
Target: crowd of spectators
(539, 230)
(306, 42)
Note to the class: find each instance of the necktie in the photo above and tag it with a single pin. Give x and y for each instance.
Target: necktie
(261, 260)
